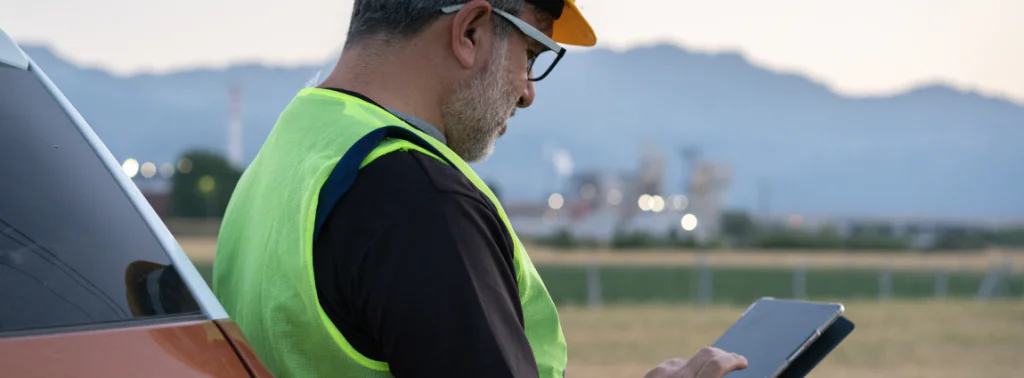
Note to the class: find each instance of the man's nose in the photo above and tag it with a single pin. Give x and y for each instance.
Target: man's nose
(529, 94)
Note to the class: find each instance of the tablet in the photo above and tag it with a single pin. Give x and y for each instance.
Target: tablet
(784, 338)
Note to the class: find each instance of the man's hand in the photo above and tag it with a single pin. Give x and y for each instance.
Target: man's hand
(707, 363)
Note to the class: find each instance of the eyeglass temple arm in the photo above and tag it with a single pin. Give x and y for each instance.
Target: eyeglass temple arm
(524, 27)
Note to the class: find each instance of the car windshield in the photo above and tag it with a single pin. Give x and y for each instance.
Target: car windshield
(73, 248)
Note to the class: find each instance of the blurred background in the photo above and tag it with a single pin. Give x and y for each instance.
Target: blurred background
(704, 155)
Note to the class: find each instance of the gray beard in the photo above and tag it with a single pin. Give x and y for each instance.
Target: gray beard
(475, 114)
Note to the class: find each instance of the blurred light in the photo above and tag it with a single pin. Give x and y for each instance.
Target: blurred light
(796, 220)
(550, 216)
(680, 202)
(645, 202)
(185, 165)
(207, 184)
(689, 222)
(657, 204)
(130, 167)
(588, 191)
(148, 170)
(555, 201)
(166, 170)
(563, 162)
(614, 197)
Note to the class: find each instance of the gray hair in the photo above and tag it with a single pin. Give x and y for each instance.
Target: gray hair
(399, 20)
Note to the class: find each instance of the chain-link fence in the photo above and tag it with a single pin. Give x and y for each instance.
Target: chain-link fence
(704, 281)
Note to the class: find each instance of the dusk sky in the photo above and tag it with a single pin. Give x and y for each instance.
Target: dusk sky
(863, 47)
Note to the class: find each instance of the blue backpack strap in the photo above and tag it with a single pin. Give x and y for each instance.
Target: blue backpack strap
(344, 173)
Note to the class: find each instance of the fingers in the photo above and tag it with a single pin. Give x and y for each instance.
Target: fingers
(706, 363)
(668, 368)
(695, 363)
(712, 363)
(721, 365)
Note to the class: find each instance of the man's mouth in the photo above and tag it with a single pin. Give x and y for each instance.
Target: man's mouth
(505, 126)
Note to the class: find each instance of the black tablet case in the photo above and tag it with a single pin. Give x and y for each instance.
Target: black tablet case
(816, 352)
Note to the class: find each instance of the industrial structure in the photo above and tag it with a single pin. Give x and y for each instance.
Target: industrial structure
(236, 152)
(598, 204)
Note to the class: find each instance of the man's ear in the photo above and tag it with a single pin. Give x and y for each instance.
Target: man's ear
(471, 24)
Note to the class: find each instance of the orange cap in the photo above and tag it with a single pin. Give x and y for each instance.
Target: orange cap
(572, 28)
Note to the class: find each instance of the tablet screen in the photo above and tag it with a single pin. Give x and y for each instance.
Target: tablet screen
(771, 331)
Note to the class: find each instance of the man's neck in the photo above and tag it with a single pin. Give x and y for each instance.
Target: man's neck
(394, 82)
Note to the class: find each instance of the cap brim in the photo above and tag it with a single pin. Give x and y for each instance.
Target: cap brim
(572, 28)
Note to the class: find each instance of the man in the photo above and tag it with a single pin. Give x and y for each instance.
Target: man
(359, 243)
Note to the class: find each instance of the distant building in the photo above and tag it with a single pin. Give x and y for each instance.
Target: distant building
(597, 204)
(707, 188)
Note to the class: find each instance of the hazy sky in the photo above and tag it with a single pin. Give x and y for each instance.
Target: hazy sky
(857, 47)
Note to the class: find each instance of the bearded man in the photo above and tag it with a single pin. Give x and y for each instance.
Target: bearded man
(359, 243)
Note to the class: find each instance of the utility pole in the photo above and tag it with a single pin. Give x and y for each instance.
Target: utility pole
(764, 198)
(235, 145)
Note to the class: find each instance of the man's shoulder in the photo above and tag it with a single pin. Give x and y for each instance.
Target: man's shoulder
(412, 174)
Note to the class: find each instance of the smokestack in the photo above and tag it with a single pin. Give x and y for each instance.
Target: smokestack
(235, 151)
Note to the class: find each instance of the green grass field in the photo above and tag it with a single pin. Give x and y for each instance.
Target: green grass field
(899, 339)
(645, 319)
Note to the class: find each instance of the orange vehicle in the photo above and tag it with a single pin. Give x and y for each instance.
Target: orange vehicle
(92, 283)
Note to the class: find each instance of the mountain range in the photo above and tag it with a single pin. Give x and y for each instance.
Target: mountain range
(934, 151)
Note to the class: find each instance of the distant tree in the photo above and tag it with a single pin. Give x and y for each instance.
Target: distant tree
(785, 239)
(203, 185)
(872, 230)
(560, 239)
(634, 240)
(828, 237)
(1008, 237)
(680, 239)
(876, 242)
(738, 227)
(954, 238)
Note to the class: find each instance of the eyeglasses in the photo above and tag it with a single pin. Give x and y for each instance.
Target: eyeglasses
(544, 60)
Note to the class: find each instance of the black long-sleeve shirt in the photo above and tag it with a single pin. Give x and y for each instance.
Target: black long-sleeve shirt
(414, 267)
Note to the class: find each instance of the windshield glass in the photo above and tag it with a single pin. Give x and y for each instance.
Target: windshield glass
(73, 248)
